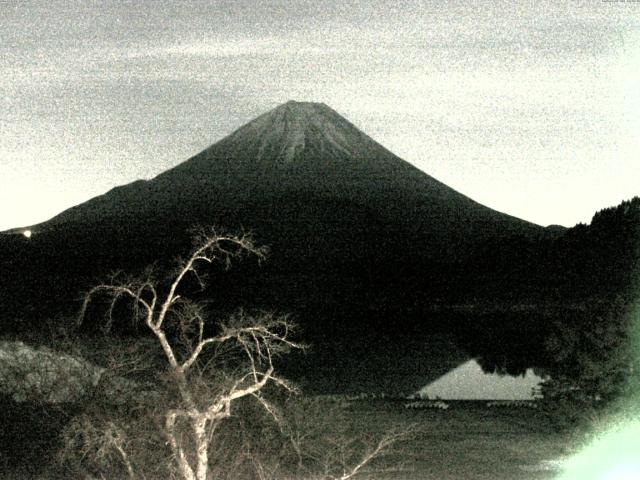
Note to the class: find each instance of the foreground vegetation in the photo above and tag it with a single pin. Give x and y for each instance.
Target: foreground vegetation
(467, 441)
(471, 441)
(202, 398)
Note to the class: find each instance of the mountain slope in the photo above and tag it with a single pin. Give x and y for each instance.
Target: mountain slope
(302, 153)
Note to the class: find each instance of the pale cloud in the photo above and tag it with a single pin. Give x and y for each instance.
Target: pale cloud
(208, 48)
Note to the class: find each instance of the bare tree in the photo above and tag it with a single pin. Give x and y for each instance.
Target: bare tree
(202, 370)
(193, 356)
(338, 450)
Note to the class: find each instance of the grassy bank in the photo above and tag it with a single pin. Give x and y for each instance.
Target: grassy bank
(467, 441)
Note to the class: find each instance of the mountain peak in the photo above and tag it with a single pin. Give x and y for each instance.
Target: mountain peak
(284, 132)
(298, 104)
(304, 110)
(301, 113)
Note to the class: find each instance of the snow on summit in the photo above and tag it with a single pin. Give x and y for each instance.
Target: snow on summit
(292, 125)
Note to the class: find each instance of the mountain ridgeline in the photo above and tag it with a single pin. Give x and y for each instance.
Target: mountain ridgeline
(365, 249)
(301, 176)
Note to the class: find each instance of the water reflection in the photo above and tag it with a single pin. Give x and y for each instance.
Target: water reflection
(469, 382)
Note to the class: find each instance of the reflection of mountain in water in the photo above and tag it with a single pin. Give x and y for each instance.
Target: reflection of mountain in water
(380, 362)
(469, 382)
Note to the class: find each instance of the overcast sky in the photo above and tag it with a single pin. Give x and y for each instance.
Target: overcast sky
(532, 108)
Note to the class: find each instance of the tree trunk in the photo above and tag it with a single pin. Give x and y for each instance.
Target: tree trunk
(185, 469)
(199, 429)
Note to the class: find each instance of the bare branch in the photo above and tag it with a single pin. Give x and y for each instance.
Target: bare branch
(115, 292)
(198, 350)
(380, 448)
(209, 250)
